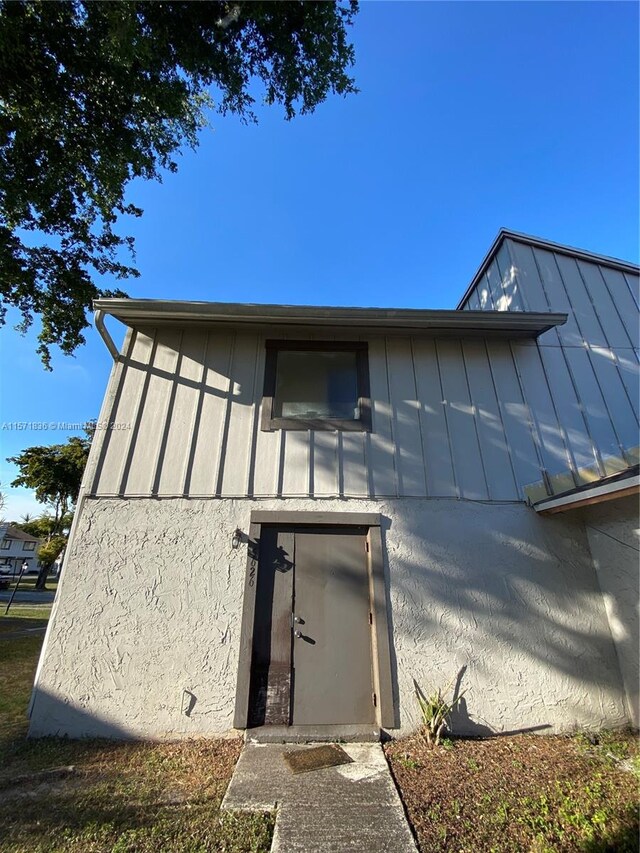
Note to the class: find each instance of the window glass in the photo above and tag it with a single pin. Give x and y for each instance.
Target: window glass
(29, 546)
(316, 384)
(5, 544)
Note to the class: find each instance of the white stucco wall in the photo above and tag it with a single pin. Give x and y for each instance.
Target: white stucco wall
(614, 538)
(149, 606)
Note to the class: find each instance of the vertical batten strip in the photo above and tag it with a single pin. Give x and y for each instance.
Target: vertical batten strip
(465, 450)
(194, 429)
(295, 474)
(537, 440)
(325, 464)
(501, 416)
(494, 283)
(256, 408)
(436, 425)
(620, 408)
(405, 419)
(473, 302)
(555, 362)
(512, 298)
(161, 455)
(355, 469)
(109, 413)
(626, 362)
(419, 415)
(209, 441)
(153, 412)
(445, 410)
(381, 456)
(496, 458)
(554, 447)
(601, 427)
(623, 302)
(474, 413)
(606, 387)
(522, 290)
(187, 384)
(516, 417)
(558, 297)
(603, 306)
(234, 473)
(634, 287)
(148, 344)
(221, 458)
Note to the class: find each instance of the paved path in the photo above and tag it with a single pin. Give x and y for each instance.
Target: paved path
(28, 596)
(354, 807)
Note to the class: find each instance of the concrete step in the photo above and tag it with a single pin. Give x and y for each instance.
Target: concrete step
(313, 734)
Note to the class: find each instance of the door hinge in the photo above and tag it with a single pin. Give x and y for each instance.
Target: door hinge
(370, 618)
(375, 700)
(366, 545)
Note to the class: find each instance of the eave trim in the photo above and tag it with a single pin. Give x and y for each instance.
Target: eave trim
(584, 497)
(137, 312)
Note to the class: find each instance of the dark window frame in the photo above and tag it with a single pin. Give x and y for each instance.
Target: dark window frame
(5, 544)
(29, 546)
(270, 423)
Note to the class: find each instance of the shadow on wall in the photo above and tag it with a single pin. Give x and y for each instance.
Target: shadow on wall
(512, 596)
(460, 721)
(65, 719)
(509, 600)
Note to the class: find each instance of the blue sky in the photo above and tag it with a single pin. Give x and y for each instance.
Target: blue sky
(471, 116)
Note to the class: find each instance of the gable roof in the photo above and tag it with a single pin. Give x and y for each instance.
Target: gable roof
(539, 243)
(8, 531)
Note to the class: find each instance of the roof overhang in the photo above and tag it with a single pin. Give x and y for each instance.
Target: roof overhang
(618, 486)
(159, 312)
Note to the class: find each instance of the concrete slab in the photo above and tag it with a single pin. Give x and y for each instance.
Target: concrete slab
(313, 734)
(351, 807)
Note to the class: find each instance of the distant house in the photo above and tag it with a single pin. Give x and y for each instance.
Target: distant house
(291, 515)
(16, 547)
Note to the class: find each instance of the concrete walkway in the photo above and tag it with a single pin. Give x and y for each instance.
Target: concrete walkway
(353, 807)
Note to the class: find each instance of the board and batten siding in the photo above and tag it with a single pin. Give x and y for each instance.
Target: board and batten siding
(472, 419)
(587, 382)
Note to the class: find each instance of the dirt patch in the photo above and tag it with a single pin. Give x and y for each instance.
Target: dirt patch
(521, 793)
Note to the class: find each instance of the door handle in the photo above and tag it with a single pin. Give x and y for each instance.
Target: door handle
(297, 634)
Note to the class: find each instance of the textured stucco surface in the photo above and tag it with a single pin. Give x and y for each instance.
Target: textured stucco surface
(145, 632)
(613, 533)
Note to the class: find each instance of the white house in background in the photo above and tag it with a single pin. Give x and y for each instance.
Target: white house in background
(295, 513)
(16, 546)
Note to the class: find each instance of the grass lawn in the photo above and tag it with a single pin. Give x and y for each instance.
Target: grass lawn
(106, 796)
(22, 617)
(502, 795)
(532, 793)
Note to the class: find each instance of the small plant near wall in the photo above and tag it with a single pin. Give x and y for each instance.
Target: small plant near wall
(436, 711)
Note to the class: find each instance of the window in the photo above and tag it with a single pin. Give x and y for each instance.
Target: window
(29, 546)
(5, 544)
(316, 385)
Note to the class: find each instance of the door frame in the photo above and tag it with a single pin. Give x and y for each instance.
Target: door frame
(380, 645)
